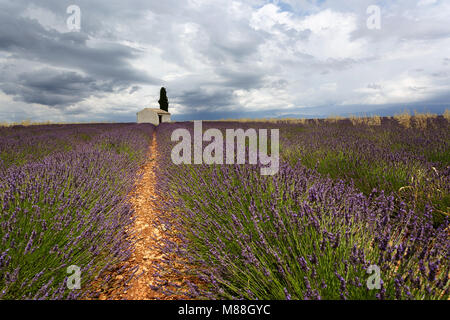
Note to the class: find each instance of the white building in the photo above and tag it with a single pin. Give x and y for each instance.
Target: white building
(153, 115)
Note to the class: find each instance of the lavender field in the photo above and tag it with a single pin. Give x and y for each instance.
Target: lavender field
(350, 195)
(63, 192)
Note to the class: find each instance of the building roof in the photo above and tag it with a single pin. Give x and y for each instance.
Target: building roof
(157, 110)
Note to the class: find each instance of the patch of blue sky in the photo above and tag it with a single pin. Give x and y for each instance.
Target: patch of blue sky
(283, 5)
(301, 7)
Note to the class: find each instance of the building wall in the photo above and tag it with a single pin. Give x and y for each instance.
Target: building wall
(146, 116)
(165, 118)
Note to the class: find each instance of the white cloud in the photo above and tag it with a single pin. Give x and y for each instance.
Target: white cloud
(426, 3)
(234, 55)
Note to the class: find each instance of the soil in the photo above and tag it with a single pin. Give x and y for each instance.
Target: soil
(144, 200)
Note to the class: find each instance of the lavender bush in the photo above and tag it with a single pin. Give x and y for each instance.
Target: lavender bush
(297, 235)
(412, 164)
(64, 203)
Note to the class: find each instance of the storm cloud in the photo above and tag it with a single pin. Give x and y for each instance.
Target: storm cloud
(55, 88)
(221, 58)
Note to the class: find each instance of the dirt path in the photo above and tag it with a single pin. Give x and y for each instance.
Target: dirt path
(143, 201)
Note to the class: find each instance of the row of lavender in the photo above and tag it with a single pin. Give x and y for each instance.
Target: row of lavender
(412, 164)
(306, 233)
(63, 192)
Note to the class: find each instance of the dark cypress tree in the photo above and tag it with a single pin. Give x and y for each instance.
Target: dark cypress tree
(163, 101)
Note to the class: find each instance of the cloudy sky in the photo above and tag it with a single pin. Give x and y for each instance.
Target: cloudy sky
(221, 58)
